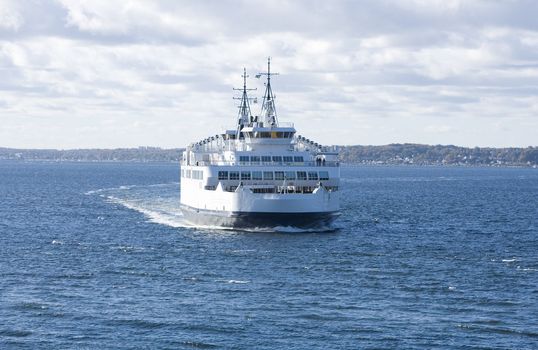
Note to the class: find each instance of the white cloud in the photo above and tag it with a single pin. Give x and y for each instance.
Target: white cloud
(140, 19)
(10, 16)
(161, 72)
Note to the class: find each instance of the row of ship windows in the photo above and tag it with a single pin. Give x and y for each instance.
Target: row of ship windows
(270, 175)
(259, 175)
(192, 174)
(272, 135)
(269, 159)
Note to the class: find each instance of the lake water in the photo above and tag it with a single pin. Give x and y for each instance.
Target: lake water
(97, 256)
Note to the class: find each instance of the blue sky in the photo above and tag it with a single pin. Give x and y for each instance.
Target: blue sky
(78, 74)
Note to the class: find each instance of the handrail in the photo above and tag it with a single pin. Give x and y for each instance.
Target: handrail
(272, 164)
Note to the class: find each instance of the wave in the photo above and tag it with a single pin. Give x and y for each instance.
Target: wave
(527, 269)
(235, 281)
(138, 323)
(292, 229)
(15, 333)
(101, 190)
(163, 184)
(499, 330)
(271, 229)
(401, 179)
(172, 219)
(127, 187)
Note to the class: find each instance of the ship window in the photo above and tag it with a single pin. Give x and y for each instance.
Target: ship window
(277, 159)
(263, 190)
(324, 175)
(266, 159)
(243, 160)
(257, 175)
(267, 175)
(182, 173)
(223, 175)
(288, 159)
(188, 173)
(290, 175)
(298, 159)
(312, 175)
(279, 175)
(265, 134)
(234, 175)
(308, 189)
(301, 175)
(245, 175)
(255, 159)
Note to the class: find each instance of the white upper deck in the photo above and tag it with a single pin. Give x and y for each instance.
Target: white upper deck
(259, 136)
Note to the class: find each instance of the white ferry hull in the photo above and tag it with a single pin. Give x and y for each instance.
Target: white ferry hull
(244, 209)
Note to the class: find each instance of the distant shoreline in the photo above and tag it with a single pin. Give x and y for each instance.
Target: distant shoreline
(343, 165)
(393, 154)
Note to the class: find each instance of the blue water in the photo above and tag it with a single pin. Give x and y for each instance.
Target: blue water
(97, 256)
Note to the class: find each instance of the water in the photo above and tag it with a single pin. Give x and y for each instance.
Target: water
(97, 256)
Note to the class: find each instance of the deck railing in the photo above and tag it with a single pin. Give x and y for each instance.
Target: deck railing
(272, 164)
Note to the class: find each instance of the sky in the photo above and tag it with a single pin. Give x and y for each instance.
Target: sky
(107, 74)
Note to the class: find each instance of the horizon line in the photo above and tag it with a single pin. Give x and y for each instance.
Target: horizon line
(177, 148)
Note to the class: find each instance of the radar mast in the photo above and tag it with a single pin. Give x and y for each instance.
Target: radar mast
(245, 114)
(268, 105)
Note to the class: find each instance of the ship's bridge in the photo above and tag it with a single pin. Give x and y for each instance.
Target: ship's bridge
(274, 135)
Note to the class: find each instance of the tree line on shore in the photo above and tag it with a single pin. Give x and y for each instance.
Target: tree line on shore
(389, 154)
(439, 155)
(140, 154)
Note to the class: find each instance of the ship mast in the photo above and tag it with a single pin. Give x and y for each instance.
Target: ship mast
(268, 105)
(245, 114)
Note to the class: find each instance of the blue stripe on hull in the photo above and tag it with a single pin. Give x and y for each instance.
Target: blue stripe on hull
(257, 219)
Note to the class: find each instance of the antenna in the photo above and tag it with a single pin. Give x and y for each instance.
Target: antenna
(268, 105)
(245, 114)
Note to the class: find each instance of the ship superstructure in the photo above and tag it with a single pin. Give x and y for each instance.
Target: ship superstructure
(259, 174)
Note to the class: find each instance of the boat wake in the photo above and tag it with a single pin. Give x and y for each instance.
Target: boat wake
(159, 203)
(155, 215)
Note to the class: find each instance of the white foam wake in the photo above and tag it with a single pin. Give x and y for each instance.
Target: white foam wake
(173, 219)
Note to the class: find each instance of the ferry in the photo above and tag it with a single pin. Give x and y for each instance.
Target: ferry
(259, 174)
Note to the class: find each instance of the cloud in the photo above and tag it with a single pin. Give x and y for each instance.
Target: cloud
(141, 20)
(10, 16)
(161, 72)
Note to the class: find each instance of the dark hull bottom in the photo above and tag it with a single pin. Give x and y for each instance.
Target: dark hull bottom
(252, 219)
